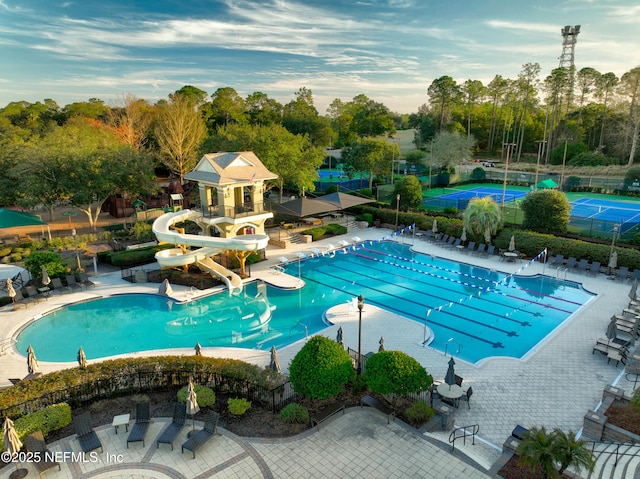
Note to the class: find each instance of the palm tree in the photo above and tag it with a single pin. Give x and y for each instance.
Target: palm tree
(483, 217)
(537, 449)
(572, 452)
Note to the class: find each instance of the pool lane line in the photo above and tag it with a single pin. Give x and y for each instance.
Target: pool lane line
(460, 273)
(385, 293)
(481, 289)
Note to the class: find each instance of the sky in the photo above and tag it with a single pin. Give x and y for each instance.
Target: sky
(389, 50)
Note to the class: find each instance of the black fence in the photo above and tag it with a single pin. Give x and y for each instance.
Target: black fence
(273, 399)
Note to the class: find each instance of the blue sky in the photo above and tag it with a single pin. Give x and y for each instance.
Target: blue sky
(390, 50)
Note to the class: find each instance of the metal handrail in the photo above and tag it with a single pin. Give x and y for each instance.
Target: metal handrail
(616, 452)
(453, 436)
(446, 346)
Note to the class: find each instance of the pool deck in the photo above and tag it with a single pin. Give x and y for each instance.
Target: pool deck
(553, 387)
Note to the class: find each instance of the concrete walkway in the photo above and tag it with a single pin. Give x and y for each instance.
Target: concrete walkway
(553, 387)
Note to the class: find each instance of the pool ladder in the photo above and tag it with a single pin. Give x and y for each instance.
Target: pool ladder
(446, 346)
(561, 270)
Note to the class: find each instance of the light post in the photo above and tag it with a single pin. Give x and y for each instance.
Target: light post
(75, 245)
(360, 307)
(541, 144)
(393, 159)
(430, 164)
(397, 209)
(564, 161)
(506, 170)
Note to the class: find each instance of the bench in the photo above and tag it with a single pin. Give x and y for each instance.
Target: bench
(326, 413)
(374, 403)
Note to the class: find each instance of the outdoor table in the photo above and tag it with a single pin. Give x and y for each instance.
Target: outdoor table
(44, 291)
(312, 221)
(616, 356)
(452, 391)
(121, 420)
(460, 247)
(509, 256)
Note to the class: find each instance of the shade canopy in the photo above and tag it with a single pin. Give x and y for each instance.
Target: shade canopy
(547, 184)
(343, 200)
(450, 377)
(301, 207)
(12, 219)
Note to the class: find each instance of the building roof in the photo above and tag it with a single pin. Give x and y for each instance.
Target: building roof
(227, 168)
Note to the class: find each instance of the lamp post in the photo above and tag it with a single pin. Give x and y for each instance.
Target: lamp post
(360, 307)
(75, 245)
(430, 164)
(506, 170)
(397, 209)
(541, 144)
(393, 159)
(564, 161)
(616, 227)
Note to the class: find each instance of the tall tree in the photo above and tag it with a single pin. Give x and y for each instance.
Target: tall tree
(370, 118)
(300, 117)
(179, 130)
(630, 87)
(226, 107)
(483, 216)
(198, 96)
(472, 91)
(496, 90)
(443, 93)
(369, 155)
(526, 80)
(451, 148)
(586, 80)
(605, 87)
(132, 121)
(263, 110)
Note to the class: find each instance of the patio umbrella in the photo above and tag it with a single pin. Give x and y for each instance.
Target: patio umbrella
(434, 228)
(613, 260)
(381, 343)
(342, 200)
(463, 236)
(303, 207)
(165, 288)
(339, 337)
(10, 290)
(12, 445)
(45, 276)
(12, 219)
(192, 403)
(450, 377)
(512, 244)
(612, 330)
(274, 364)
(633, 292)
(198, 349)
(82, 359)
(32, 362)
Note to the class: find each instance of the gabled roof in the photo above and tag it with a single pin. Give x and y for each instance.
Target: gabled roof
(225, 168)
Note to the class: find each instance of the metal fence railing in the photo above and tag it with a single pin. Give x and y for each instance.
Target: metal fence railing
(140, 382)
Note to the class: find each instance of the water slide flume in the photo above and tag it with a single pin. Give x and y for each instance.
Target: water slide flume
(207, 246)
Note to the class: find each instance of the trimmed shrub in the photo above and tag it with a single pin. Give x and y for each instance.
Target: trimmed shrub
(419, 412)
(395, 372)
(238, 407)
(136, 256)
(320, 369)
(294, 414)
(50, 418)
(54, 263)
(206, 397)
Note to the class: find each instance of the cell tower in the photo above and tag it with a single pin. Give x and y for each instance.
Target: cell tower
(569, 40)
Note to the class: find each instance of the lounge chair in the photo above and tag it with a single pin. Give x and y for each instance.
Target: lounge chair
(622, 273)
(594, 269)
(457, 243)
(582, 265)
(571, 263)
(140, 427)
(72, 284)
(471, 246)
(491, 250)
(450, 241)
(84, 279)
(42, 456)
(606, 346)
(481, 249)
(87, 437)
(174, 427)
(467, 396)
(636, 275)
(19, 301)
(59, 287)
(557, 261)
(34, 295)
(203, 435)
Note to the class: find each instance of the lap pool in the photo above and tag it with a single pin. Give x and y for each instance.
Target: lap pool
(484, 312)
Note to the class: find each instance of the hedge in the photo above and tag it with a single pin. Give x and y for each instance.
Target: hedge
(50, 418)
(135, 256)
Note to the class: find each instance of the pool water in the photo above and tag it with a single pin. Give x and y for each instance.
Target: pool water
(473, 312)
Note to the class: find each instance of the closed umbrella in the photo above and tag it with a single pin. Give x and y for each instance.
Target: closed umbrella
(613, 260)
(274, 364)
(612, 330)
(45, 276)
(32, 362)
(339, 337)
(192, 403)
(82, 359)
(198, 349)
(12, 445)
(10, 290)
(434, 228)
(463, 236)
(381, 343)
(450, 377)
(512, 244)
(165, 288)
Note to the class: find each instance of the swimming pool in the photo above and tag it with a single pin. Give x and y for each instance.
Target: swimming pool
(485, 312)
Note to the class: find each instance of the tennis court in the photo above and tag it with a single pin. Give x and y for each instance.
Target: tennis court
(460, 197)
(624, 213)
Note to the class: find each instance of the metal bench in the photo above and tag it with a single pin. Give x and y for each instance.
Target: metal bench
(326, 413)
(374, 403)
